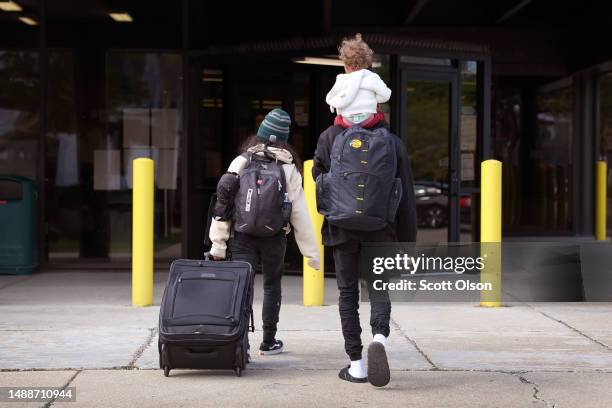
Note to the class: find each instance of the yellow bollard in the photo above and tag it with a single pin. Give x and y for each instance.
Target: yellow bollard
(490, 231)
(314, 288)
(601, 170)
(142, 232)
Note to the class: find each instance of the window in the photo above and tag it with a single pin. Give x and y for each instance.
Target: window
(468, 136)
(382, 67)
(551, 159)
(19, 112)
(121, 106)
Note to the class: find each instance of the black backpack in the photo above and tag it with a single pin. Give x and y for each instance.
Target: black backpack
(361, 191)
(261, 206)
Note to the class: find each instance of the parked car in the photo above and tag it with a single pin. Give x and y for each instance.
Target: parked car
(432, 204)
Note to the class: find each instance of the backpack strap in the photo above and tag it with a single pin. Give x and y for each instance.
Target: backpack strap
(283, 177)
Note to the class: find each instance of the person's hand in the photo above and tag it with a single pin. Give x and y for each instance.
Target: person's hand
(217, 258)
(314, 263)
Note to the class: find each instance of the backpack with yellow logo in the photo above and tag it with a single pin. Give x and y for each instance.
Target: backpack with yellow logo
(361, 191)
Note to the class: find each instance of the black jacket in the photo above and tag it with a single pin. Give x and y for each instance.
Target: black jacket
(405, 227)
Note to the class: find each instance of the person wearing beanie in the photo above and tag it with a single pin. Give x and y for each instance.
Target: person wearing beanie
(271, 139)
(276, 124)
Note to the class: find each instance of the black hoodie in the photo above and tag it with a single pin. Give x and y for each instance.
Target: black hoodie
(405, 227)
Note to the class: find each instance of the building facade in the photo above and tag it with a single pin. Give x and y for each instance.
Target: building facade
(86, 87)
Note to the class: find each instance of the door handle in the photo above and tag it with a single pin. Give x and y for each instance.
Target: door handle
(455, 183)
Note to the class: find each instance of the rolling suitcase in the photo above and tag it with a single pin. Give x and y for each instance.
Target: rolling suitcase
(204, 316)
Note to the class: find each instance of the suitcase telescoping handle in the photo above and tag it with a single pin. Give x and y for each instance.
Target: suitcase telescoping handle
(252, 328)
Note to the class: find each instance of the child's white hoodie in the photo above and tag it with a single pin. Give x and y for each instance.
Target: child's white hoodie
(358, 92)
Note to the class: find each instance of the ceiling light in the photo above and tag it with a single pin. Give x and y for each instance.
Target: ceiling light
(29, 21)
(10, 6)
(319, 61)
(121, 17)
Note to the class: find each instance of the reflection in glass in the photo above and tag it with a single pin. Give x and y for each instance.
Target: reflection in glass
(382, 67)
(144, 97)
(63, 207)
(508, 131)
(552, 160)
(210, 127)
(468, 134)
(90, 151)
(19, 112)
(427, 137)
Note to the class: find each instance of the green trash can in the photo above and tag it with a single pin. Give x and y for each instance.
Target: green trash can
(18, 225)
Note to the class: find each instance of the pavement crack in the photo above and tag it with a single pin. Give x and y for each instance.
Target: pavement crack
(572, 328)
(70, 380)
(536, 391)
(24, 330)
(142, 348)
(414, 344)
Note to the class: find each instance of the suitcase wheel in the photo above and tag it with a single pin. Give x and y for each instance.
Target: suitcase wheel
(241, 359)
(238, 371)
(166, 371)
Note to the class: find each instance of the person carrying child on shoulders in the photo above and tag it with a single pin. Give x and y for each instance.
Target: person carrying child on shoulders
(365, 191)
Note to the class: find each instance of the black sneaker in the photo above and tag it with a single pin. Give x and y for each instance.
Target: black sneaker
(346, 376)
(266, 349)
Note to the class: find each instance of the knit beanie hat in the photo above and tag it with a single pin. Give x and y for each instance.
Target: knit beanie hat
(276, 123)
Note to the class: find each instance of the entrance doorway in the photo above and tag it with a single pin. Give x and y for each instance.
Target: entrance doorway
(228, 102)
(431, 113)
(435, 110)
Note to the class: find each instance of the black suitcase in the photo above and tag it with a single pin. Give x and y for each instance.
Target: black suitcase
(204, 316)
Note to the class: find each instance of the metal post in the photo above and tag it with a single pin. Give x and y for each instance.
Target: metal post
(43, 60)
(490, 231)
(600, 200)
(314, 285)
(142, 232)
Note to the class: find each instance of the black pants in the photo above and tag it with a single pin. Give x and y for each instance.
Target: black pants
(270, 252)
(346, 260)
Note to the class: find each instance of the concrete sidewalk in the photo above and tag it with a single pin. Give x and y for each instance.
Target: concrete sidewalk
(79, 329)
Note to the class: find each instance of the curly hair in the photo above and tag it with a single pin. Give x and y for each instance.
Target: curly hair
(355, 53)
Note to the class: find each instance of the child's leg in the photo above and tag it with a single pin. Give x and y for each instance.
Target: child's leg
(272, 259)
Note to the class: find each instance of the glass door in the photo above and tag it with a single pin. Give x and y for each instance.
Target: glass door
(429, 127)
